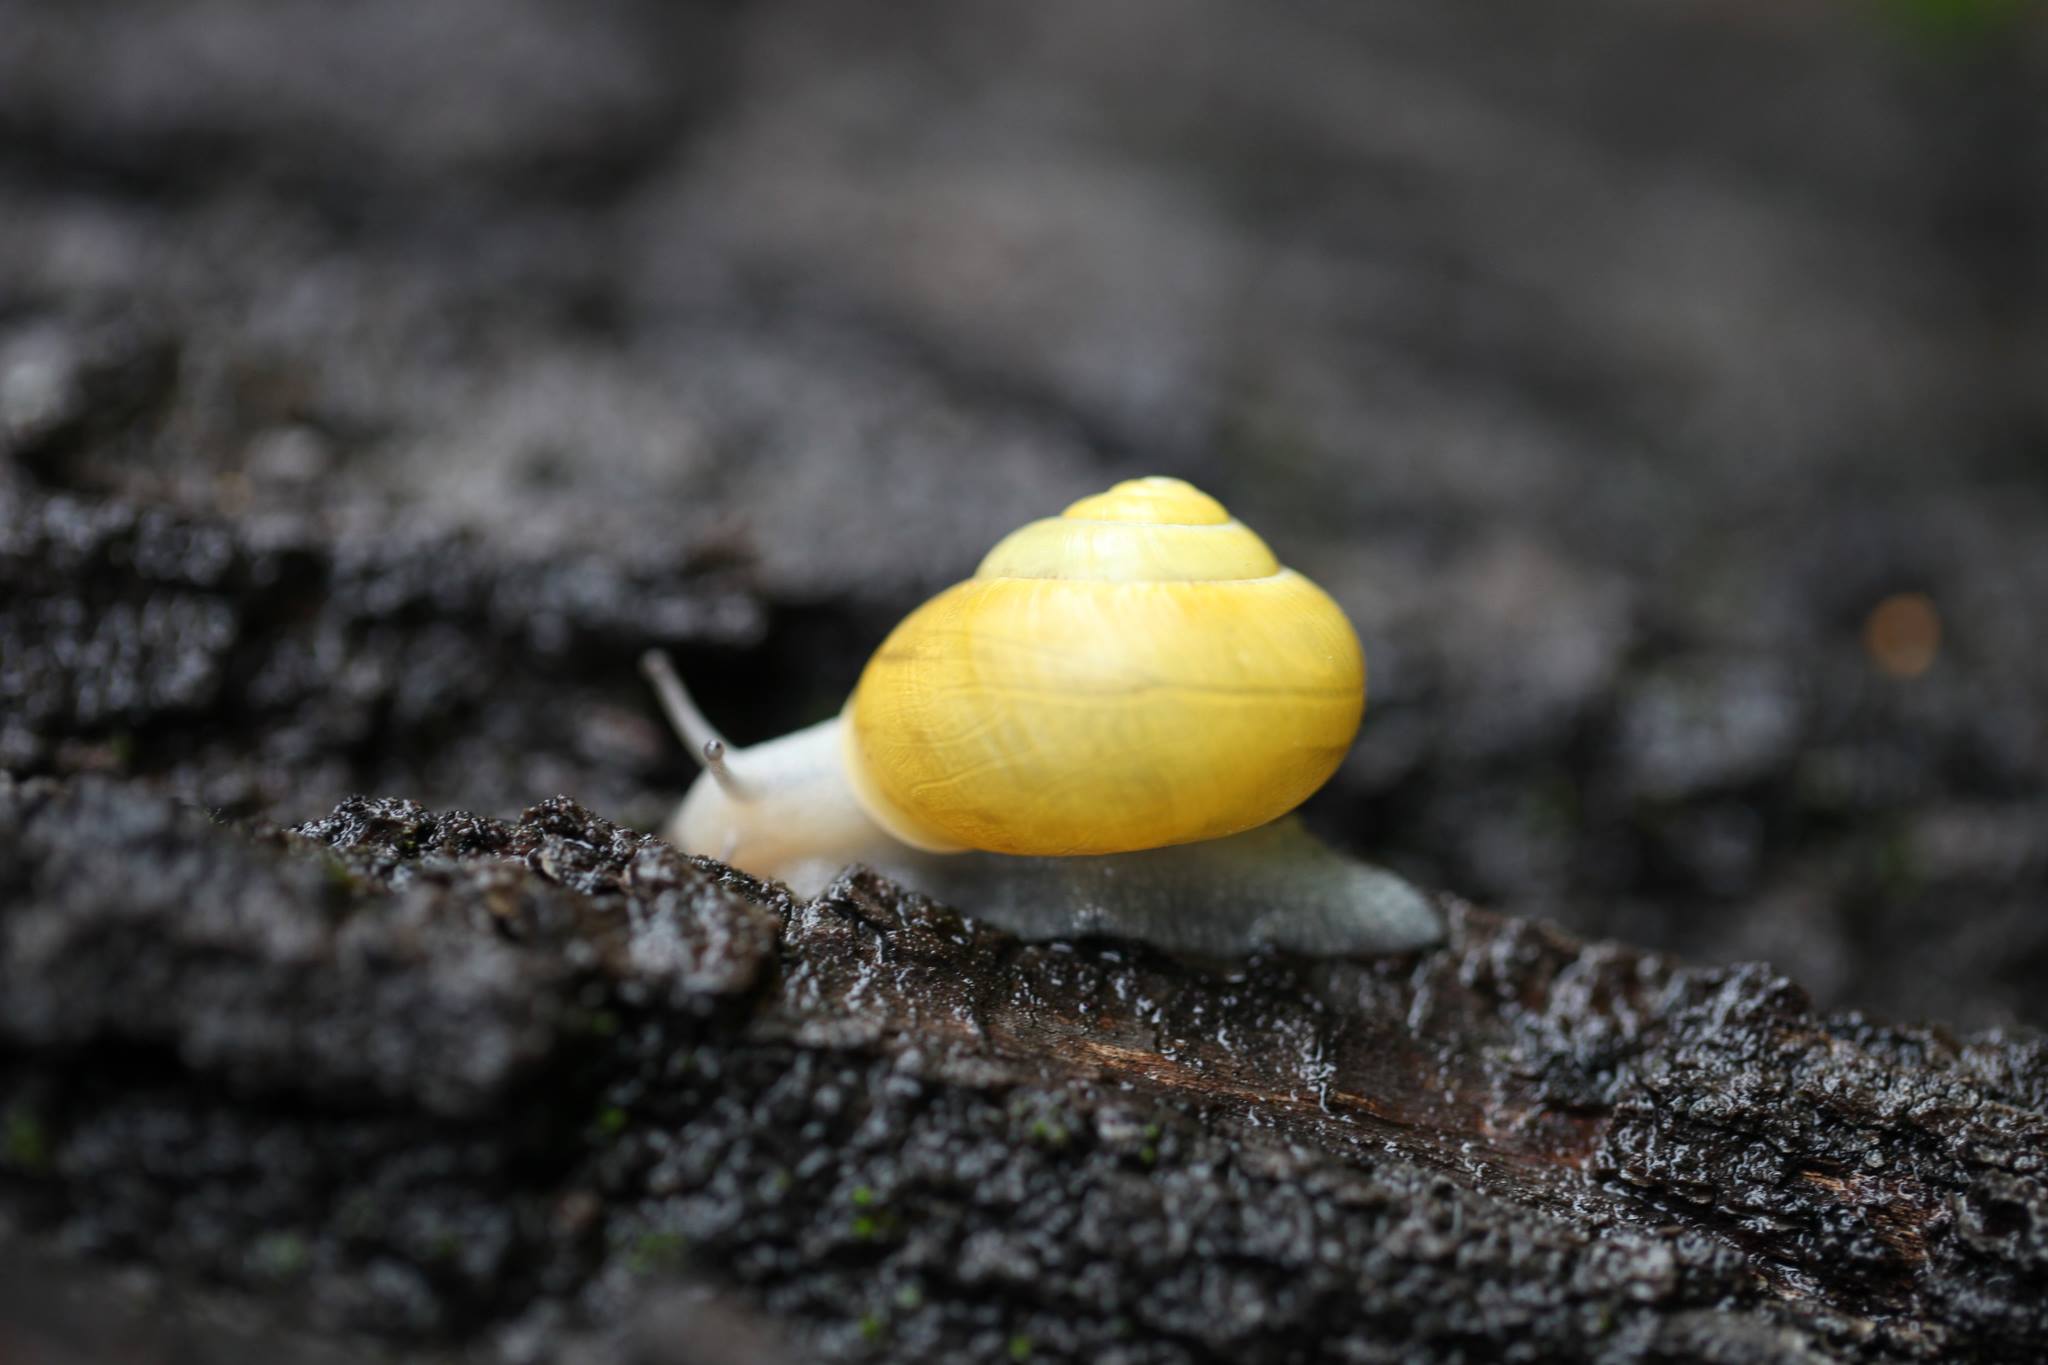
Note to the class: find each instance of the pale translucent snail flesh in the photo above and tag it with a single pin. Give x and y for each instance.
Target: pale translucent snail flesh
(1101, 733)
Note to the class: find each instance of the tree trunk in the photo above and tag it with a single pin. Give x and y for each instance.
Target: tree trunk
(548, 1086)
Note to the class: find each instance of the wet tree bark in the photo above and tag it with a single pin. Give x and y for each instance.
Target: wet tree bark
(374, 388)
(549, 1087)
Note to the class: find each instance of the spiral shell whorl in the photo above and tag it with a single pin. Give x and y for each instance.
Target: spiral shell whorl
(1155, 500)
(1143, 530)
(1137, 672)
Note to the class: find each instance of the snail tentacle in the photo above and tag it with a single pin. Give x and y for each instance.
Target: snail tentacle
(688, 720)
(720, 767)
(784, 803)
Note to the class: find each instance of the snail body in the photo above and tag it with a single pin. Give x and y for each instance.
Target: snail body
(1099, 732)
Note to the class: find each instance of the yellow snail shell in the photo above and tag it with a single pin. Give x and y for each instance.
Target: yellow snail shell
(1136, 674)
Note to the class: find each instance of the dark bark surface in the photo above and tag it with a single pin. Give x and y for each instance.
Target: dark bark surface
(435, 1079)
(1609, 384)
(377, 381)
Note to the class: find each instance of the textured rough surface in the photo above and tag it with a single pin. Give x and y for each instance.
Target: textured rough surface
(245, 663)
(432, 1079)
(1609, 385)
(376, 381)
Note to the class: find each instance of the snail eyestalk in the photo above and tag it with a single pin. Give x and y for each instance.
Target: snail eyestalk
(721, 771)
(698, 734)
(785, 801)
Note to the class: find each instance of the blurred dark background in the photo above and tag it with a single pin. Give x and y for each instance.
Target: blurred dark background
(1663, 389)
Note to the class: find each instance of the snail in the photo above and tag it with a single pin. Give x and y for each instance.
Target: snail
(1103, 732)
